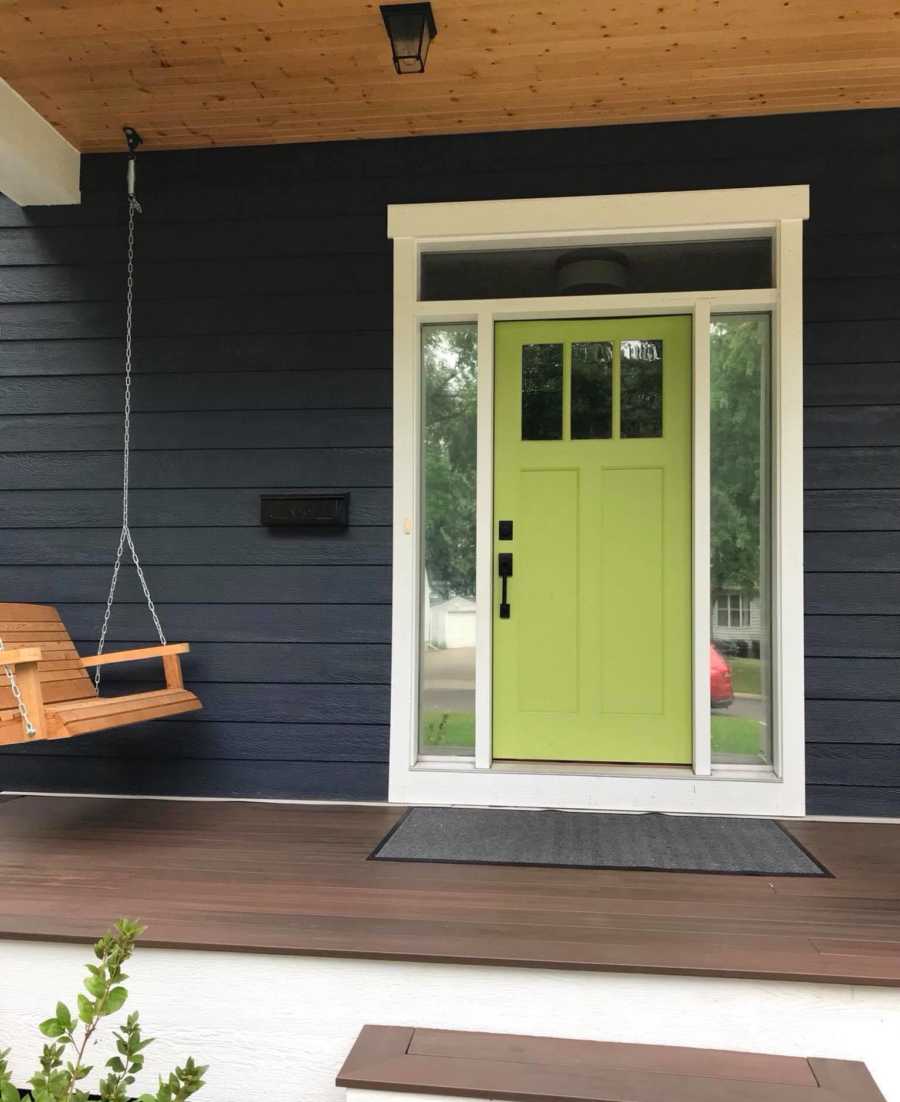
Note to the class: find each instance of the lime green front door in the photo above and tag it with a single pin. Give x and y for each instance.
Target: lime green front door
(592, 516)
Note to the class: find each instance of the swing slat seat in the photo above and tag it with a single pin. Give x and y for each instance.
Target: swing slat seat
(55, 686)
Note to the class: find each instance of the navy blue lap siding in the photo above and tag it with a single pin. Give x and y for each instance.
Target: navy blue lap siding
(263, 364)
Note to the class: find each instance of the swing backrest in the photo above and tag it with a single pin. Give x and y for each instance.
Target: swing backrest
(62, 675)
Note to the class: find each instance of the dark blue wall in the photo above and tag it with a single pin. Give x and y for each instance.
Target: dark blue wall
(263, 354)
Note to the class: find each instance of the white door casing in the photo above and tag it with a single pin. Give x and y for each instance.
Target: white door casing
(777, 213)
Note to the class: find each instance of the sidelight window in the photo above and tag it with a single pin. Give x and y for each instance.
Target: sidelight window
(740, 657)
(447, 677)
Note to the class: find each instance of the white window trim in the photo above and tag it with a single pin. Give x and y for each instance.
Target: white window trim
(703, 788)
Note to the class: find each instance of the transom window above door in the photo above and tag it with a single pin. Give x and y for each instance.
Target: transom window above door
(620, 267)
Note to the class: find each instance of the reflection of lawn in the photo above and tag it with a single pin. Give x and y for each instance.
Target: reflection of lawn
(449, 728)
(730, 734)
(735, 734)
(745, 675)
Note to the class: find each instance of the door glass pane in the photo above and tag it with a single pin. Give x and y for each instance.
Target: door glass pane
(740, 650)
(642, 388)
(542, 391)
(592, 390)
(447, 701)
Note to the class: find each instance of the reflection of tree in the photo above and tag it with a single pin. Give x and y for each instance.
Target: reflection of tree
(450, 377)
(641, 401)
(739, 351)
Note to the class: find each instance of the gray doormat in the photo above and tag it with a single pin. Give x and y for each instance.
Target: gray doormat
(593, 840)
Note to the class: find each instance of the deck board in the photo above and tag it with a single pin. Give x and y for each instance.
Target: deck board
(296, 879)
(445, 1063)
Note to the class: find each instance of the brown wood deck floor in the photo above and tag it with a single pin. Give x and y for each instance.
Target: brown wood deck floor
(295, 879)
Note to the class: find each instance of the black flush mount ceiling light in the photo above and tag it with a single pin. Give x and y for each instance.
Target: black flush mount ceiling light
(410, 28)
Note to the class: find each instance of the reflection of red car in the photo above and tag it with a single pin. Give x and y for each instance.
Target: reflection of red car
(721, 693)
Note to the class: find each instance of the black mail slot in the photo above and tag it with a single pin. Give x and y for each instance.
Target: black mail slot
(305, 510)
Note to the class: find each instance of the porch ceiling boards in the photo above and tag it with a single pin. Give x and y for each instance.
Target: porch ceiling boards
(295, 879)
(244, 72)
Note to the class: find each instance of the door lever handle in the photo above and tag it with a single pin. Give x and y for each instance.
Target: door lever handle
(504, 569)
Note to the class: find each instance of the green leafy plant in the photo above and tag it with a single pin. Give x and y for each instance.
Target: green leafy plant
(63, 1069)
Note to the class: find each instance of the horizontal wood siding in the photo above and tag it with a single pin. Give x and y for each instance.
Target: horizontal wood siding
(263, 364)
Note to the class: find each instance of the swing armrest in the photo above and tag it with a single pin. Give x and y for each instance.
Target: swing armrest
(136, 655)
(20, 657)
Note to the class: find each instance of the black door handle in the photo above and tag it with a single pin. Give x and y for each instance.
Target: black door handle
(505, 569)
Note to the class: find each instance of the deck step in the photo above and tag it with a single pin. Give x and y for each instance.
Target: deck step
(449, 1063)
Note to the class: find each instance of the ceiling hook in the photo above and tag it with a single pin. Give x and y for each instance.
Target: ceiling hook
(132, 138)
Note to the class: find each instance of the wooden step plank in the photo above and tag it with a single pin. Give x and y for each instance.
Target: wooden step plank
(547, 1069)
(526, 1083)
(848, 1078)
(593, 1056)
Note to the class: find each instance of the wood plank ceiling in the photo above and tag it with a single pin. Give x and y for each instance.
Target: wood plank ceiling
(191, 73)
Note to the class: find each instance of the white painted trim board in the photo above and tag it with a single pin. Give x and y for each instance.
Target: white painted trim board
(38, 166)
(251, 1016)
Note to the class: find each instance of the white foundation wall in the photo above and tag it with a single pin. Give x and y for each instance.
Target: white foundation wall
(285, 1023)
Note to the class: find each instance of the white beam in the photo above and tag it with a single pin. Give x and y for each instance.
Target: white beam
(38, 167)
(739, 209)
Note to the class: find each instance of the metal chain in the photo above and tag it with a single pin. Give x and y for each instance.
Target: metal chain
(125, 538)
(30, 729)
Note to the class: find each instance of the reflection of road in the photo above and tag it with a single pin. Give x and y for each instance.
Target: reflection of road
(745, 706)
(448, 682)
(448, 679)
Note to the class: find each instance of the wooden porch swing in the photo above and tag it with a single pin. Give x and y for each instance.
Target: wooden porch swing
(59, 698)
(48, 694)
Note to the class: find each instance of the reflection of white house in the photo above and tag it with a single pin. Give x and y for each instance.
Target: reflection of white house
(451, 623)
(735, 615)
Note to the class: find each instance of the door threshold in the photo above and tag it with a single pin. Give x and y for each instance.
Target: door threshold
(593, 768)
(560, 768)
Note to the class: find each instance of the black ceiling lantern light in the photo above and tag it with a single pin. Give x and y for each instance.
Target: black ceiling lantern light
(410, 28)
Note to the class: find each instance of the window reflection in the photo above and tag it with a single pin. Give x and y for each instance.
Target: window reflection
(592, 390)
(740, 660)
(641, 404)
(450, 376)
(542, 391)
